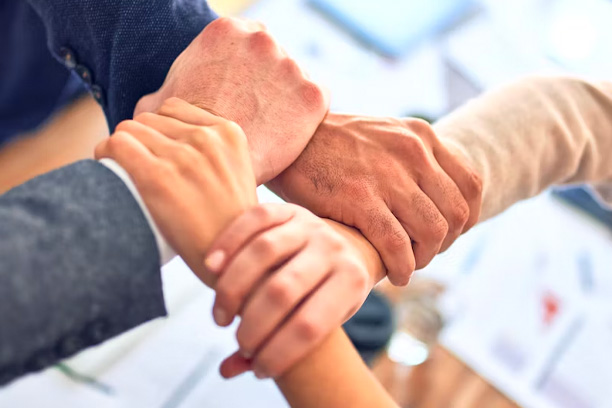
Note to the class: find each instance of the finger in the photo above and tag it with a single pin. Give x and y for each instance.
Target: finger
(466, 180)
(185, 112)
(156, 142)
(242, 229)
(447, 197)
(128, 152)
(278, 296)
(250, 264)
(305, 329)
(169, 127)
(234, 365)
(424, 223)
(392, 241)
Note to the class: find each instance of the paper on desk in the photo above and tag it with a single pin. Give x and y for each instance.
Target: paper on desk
(531, 292)
(581, 377)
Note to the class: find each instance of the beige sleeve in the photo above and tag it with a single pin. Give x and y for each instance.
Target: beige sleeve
(538, 132)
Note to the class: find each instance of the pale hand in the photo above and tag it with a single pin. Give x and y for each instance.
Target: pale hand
(236, 70)
(291, 277)
(192, 170)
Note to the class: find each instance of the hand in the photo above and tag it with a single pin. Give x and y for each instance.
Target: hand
(192, 170)
(236, 70)
(390, 178)
(291, 277)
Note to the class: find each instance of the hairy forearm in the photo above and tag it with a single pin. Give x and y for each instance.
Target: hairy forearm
(527, 136)
(333, 376)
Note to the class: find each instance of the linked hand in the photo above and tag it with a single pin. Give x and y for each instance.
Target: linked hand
(236, 70)
(192, 170)
(291, 277)
(392, 179)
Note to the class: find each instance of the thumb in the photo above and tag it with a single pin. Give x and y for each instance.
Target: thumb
(148, 103)
(234, 365)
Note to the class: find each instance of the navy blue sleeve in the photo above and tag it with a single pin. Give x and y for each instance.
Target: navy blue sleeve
(121, 49)
(33, 85)
(78, 265)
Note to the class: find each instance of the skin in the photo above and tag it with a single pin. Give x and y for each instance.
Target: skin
(386, 177)
(333, 375)
(236, 70)
(293, 279)
(169, 159)
(393, 180)
(389, 178)
(160, 151)
(181, 156)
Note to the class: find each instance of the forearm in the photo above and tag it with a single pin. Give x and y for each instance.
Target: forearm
(533, 134)
(333, 376)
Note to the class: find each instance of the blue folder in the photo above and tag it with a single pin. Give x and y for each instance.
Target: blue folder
(393, 26)
(581, 198)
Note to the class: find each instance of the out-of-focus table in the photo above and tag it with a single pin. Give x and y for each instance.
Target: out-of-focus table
(70, 136)
(441, 382)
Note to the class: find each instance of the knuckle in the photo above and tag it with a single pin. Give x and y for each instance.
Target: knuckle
(397, 240)
(358, 275)
(313, 96)
(170, 106)
(474, 185)
(439, 229)
(461, 214)
(144, 116)
(422, 128)
(333, 242)
(233, 132)
(264, 213)
(290, 68)
(262, 41)
(414, 147)
(223, 23)
(307, 329)
(118, 141)
(199, 138)
(125, 126)
(279, 291)
(265, 246)
(186, 159)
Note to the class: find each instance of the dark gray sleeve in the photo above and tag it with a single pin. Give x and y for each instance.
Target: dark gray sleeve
(78, 265)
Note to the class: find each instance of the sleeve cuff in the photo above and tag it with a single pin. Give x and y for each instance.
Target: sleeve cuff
(166, 253)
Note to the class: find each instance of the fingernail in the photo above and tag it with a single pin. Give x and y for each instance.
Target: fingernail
(222, 318)
(260, 374)
(245, 354)
(214, 261)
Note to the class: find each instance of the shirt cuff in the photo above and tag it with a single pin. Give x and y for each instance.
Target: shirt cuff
(166, 252)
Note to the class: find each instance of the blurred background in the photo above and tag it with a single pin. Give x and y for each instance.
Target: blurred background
(517, 313)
